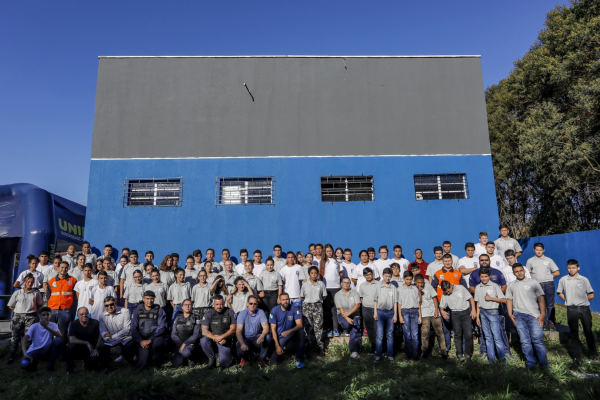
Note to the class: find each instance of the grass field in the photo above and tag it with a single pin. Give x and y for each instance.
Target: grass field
(337, 376)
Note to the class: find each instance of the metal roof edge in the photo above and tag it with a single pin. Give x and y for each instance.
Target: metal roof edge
(297, 56)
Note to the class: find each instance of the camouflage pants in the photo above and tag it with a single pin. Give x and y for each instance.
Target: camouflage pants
(20, 325)
(426, 341)
(313, 318)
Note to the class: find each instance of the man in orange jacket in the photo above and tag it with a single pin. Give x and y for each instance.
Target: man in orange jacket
(61, 298)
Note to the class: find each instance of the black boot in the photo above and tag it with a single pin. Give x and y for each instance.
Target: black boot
(212, 362)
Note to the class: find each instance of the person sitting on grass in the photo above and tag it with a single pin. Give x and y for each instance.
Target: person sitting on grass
(46, 342)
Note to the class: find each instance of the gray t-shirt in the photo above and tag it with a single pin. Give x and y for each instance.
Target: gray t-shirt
(386, 296)
(435, 266)
(76, 273)
(347, 302)
(491, 289)
(254, 283)
(191, 276)
(427, 305)
(128, 270)
(458, 300)
(229, 279)
(408, 297)
(134, 293)
(575, 290)
(178, 292)
(160, 291)
(313, 292)
(50, 274)
(271, 280)
(524, 295)
(508, 244)
(26, 302)
(167, 277)
(541, 268)
(216, 267)
(201, 296)
(367, 293)
(279, 264)
(238, 301)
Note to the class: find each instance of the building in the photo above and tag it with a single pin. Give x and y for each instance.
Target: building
(31, 220)
(248, 152)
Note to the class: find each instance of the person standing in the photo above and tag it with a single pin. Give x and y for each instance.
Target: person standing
(252, 332)
(134, 293)
(437, 264)
(383, 262)
(84, 340)
(159, 288)
(128, 271)
(38, 277)
(218, 330)
(62, 298)
(577, 292)
(420, 263)
(543, 269)
(468, 264)
(201, 297)
(457, 299)
(272, 285)
(488, 296)
(409, 312)
(330, 273)
(313, 293)
(46, 341)
(358, 278)
(24, 302)
(191, 273)
(286, 325)
(70, 258)
(185, 335)
(447, 246)
(241, 267)
(367, 292)
(526, 308)
(148, 328)
(504, 242)
(279, 261)
(98, 293)
(178, 292)
(83, 288)
(430, 318)
(292, 277)
(385, 307)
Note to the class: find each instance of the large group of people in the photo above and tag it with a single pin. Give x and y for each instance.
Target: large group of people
(81, 306)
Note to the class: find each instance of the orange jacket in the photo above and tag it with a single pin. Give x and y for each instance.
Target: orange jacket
(61, 292)
(453, 276)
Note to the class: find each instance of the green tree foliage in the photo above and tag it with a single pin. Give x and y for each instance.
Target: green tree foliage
(544, 122)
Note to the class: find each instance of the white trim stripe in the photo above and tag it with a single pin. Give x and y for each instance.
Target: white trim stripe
(233, 158)
(297, 56)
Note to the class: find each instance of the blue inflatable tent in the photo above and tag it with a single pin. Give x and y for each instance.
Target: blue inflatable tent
(31, 220)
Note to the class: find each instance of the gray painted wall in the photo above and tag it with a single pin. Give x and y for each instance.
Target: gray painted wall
(163, 107)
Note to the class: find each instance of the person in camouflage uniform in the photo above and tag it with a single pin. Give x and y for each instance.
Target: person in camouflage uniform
(25, 303)
(313, 293)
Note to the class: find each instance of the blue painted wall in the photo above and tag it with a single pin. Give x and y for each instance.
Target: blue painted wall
(299, 217)
(582, 246)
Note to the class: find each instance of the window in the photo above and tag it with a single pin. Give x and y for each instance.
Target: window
(153, 192)
(347, 188)
(245, 191)
(441, 187)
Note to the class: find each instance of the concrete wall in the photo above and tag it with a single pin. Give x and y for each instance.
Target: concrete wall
(582, 246)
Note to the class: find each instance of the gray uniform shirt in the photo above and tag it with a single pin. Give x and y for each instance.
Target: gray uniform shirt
(238, 302)
(50, 274)
(72, 260)
(347, 302)
(91, 259)
(191, 276)
(26, 302)
(128, 270)
(270, 280)
(575, 290)
(458, 300)
(386, 296)
(408, 297)
(435, 266)
(367, 292)
(491, 289)
(160, 291)
(216, 267)
(167, 277)
(254, 283)
(201, 296)
(76, 273)
(508, 244)
(427, 305)
(279, 264)
(541, 268)
(313, 292)
(229, 279)
(178, 292)
(524, 295)
(134, 293)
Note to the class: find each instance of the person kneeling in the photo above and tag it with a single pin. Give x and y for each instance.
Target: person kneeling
(252, 332)
(286, 326)
(46, 342)
(148, 327)
(218, 328)
(84, 338)
(185, 334)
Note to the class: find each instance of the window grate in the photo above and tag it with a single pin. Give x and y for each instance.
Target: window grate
(347, 188)
(153, 192)
(245, 191)
(441, 187)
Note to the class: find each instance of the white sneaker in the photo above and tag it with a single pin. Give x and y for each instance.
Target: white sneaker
(354, 355)
(119, 359)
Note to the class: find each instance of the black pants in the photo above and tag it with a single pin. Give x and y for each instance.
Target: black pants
(127, 351)
(462, 327)
(583, 314)
(157, 347)
(80, 352)
(330, 320)
(270, 299)
(370, 325)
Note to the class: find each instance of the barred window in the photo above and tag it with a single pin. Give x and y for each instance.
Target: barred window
(153, 192)
(245, 191)
(441, 187)
(347, 188)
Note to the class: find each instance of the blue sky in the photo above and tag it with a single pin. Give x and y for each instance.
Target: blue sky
(49, 50)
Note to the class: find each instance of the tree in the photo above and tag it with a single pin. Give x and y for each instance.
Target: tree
(544, 122)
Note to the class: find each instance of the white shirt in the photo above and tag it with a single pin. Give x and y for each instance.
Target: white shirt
(382, 264)
(240, 269)
(258, 268)
(348, 272)
(85, 293)
(509, 276)
(98, 295)
(497, 262)
(44, 268)
(403, 262)
(358, 274)
(331, 278)
(468, 263)
(291, 276)
(38, 278)
(480, 249)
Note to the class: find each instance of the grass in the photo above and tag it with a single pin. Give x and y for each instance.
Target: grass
(337, 376)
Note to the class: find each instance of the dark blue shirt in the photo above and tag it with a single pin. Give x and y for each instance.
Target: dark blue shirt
(497, 277)
(284, 319)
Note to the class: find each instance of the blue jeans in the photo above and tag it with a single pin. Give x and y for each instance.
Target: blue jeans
(384, 323)
(62, 318)
(549, 293)
(411, 331)
(49, 353)
(532, 336)
(492, 333)
(502, 323)
(253, 347)
(354, 330)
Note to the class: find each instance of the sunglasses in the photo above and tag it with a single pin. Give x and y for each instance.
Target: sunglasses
(109, 305)
(253, 304)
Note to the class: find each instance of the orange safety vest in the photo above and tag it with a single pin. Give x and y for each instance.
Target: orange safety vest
(61, 292)
(453, 276)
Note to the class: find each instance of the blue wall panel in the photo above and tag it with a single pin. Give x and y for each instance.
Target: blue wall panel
(299, 217)
(582, 246)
